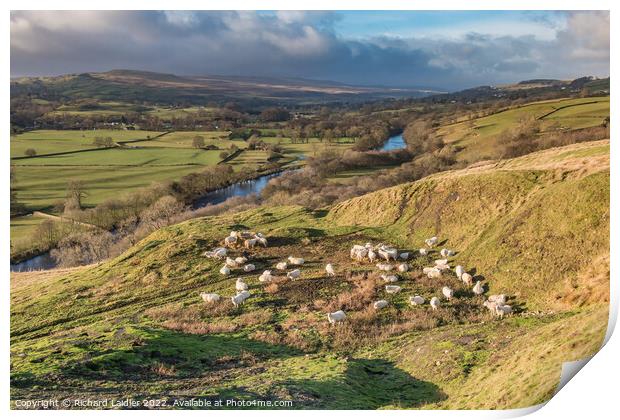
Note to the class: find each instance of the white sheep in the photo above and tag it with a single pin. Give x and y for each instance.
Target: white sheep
(467, 279)
(239, 298)
(404, 256)
(225, 270)
(431, 242)
(356, 250)
(416, 300)
(249, 267)
(387, 253)
(447, 292)
(281, 266)
(389, 278)
(501, 310)
(265, 277)
(338, 316)
(423, 251)
(234, 233)
(404, 267)
(296, 261)
(432, 272)
(250, 243)
(458, 270)
(216, 253)
(295, 274)
(441, 262)
(262, 241)
(478, 289)
(230, 262)
(499, 299)
(240, 285)
(372, 255)
(392, 289)
(384, 267)
(241, 260)
(210, 297)
(329, 269)
(380, 304)
(442, 267)
(446, 253)
(230, 240)
(434, 303)
(491, 306)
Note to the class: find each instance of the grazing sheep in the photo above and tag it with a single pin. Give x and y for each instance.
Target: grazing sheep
(380, 304)
(356, 250)
(467, 279)
(262, 241)
(458, 270)
(230, 240)
(499, 299)
(240, 285)
(225, 270)
(216, 253)
(230, 262)
(447, 292)
(388, 278)
(210, 297)
(241, 260)
(392, 289)
(431, 242)
(281, 266)
(441, 262)
(239, 298)
(416, 300)
(423, 251)
(249, 243)
(478, 289)
(338, 316)
(329, 269)
(296, 261)
(446, 253)
(295, 274)
(434, 303)
(404, 256)
(442, 267)
(491, 306)
(372, 255)
(387, 253)
(265, 277)
(432, 272)
(404, 267)
(501, 310)
(249, 267)
(384, 267)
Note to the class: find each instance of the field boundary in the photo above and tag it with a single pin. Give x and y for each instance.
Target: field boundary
(71, 152)
(567, 106)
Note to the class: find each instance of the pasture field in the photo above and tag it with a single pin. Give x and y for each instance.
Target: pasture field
(135, 325)
(313, 147)
(184, 139)
(112, 108)
(59, 141)
(477, 136)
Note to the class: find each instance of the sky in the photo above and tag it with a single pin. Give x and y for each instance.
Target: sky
(434, 49)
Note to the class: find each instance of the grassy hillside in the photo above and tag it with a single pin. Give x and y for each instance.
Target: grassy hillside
(478, 136)
(536, 227)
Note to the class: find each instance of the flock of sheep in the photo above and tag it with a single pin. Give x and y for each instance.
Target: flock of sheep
(394, 262)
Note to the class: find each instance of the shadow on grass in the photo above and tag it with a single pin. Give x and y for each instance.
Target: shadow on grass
(368, 384)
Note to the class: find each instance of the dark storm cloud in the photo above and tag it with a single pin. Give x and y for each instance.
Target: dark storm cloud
(296, 44)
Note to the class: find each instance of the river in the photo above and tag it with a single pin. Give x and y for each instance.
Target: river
(241, 189)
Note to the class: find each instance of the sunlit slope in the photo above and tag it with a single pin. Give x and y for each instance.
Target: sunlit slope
(536, 227)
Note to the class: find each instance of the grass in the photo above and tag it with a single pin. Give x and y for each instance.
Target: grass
(135, 326)
(58, 141)
(477, 137)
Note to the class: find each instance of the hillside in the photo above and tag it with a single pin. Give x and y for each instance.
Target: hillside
(534, 227)
(142, 86)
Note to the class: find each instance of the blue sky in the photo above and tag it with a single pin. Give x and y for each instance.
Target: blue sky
(441, 49)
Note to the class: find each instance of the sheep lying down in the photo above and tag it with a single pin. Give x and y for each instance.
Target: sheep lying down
(380, 304)
(210, 297)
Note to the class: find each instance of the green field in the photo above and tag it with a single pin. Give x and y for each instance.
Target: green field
(477, 136)
(59, 141)
(135, 325)
(111, 108)
(184, 139)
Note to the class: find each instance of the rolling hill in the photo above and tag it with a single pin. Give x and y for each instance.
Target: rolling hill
(142, 86)
(534, 227)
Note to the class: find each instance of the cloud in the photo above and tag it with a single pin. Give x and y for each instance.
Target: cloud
(299, 44)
